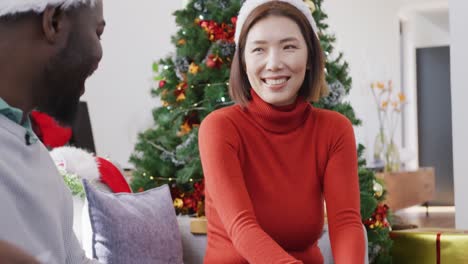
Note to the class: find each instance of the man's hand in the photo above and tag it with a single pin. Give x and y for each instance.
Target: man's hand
(10, 254)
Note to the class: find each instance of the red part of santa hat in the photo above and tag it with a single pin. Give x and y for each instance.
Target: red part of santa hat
(49, 131)
(112, 176)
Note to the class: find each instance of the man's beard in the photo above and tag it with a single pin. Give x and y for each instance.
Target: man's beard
(63, 80)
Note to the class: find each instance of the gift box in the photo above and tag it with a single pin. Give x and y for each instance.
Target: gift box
(430, 246)
(198, 226)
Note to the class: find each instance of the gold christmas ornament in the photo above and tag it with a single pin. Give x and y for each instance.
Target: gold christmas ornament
(184, 129)
(378, 189)
(178, 203)
(181, 42)
(194, 68)
(181, 97)
(181, 86)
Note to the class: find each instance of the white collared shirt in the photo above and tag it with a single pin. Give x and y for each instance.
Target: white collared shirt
(36, 208)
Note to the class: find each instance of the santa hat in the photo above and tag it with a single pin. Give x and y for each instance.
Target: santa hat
(305, 6)
(11, 7)
(51, 133)
(87, 166)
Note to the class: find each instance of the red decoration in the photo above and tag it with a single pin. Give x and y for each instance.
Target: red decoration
(180, 89)
(192, 119)
(190, 203)
(438, 247)
(214, 61)
(49, 131)
(162, 83)
(210, 63)
(112, 177)
(192, 200)
(199, 192)
(378, 218)
(218, 32)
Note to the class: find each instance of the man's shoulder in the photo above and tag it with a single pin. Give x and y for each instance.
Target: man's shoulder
(9, 130)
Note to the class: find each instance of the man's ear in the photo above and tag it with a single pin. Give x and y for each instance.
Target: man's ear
(53, 23)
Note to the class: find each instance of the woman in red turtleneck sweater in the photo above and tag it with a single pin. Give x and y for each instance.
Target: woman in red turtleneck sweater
(272, 159)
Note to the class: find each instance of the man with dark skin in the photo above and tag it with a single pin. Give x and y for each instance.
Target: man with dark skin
(48, 48)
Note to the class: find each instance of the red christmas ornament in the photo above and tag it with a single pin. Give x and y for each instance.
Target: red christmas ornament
(234, 20)
(204, 24)
(214, 61)
(190, 203)
(210, 63)
(162, 83)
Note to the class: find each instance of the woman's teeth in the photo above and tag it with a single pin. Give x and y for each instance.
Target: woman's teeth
(275, 81)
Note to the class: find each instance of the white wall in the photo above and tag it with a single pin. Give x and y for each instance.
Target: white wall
(367, 31)
(118, 94)
(459, 58)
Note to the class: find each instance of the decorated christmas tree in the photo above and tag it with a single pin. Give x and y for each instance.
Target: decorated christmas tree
(193, 82)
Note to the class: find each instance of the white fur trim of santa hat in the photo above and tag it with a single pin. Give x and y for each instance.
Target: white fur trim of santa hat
(250, 5)
(76, 161)
(98, 171)
(11, 7)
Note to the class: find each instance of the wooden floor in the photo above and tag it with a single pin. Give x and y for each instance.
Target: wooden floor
(438, 216)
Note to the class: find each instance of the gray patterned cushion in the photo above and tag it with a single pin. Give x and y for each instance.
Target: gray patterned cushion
(134, 227)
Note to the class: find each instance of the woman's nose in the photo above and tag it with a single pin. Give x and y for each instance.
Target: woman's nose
(274, 61)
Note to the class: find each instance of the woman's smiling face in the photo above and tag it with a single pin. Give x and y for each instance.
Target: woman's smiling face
(276, 59)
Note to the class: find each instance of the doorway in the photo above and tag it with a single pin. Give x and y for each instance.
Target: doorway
(435, 119)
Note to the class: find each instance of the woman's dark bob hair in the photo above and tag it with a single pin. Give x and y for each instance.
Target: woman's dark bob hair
(314, 85)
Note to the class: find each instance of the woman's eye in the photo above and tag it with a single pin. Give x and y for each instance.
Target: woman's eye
(257, 50)
(290, 47)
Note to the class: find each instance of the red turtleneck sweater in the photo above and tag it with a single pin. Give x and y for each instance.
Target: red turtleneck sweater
(267, 171)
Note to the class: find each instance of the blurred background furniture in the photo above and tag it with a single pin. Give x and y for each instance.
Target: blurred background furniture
(408, 188)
